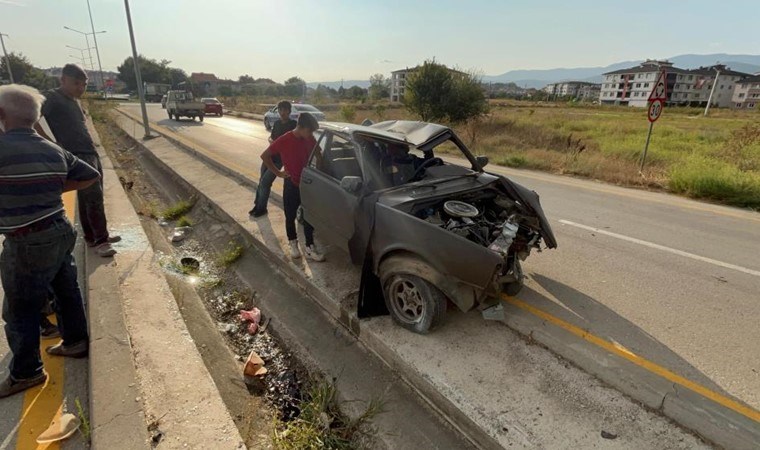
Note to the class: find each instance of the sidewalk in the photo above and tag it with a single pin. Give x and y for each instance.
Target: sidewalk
(498, 389)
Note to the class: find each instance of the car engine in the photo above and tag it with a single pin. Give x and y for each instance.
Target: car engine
(488, 219)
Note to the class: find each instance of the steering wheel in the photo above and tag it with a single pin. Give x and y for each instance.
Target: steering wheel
(428, 162)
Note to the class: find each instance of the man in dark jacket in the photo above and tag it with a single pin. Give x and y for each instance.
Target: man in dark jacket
(66, 119)
(36, 256)
(280, 127)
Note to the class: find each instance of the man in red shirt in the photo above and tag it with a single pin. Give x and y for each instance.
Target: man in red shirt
(294, 148)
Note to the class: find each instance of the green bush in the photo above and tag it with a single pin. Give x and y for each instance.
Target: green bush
(709, 179)
(347, 113)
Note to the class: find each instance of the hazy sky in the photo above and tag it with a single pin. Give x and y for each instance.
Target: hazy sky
(325, 40)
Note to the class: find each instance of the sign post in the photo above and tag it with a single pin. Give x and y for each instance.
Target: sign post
(656, 105)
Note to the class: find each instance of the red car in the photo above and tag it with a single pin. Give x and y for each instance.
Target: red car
(213, 106)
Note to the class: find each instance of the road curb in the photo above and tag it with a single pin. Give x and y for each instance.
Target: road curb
(691, 410)
(116, 418)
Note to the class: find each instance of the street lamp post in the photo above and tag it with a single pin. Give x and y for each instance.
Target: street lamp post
(89, 49)
(81, 50)
(712, 91)
(7, 58)
(138, 76)
(97, 50)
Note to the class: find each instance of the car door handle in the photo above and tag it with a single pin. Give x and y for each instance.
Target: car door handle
(306, 181)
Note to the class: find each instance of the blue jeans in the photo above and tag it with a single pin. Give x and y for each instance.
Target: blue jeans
(265, 186)
(31, 266)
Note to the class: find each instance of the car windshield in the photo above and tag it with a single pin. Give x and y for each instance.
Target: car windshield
(210, 101)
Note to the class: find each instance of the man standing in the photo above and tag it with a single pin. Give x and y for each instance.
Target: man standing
(280, 127)
(36, 256)
(294, 147)
(66, 119)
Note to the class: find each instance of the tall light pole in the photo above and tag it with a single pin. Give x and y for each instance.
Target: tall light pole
(87, 41)
(712, 91)
(7, 58)
(138, 76)
(97, 51)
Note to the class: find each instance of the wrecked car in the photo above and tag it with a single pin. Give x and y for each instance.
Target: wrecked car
(424, 230)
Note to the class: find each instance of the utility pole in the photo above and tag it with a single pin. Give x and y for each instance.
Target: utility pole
(712, 91)
(87, 41)
(97, 51)
(138, 76)
(7, 58)
(80, 50)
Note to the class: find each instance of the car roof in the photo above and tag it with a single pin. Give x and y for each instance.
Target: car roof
(406, 131)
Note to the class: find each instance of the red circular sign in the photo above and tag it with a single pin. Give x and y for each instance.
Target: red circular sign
(655, 110)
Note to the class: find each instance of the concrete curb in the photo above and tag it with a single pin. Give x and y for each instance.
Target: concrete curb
(116, 419)
(708, 418)
(143, 365)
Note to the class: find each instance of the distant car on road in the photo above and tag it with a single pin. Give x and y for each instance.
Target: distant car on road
(272, 115)
(213, 106)
(163, 101)
(181, 103)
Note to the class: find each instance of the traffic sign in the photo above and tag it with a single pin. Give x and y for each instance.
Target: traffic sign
(660, 90)
(655, 110)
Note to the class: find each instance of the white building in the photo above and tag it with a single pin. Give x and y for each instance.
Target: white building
(633, 86)
(746, 93)
(580, 90)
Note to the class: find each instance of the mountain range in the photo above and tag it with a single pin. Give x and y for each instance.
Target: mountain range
(540, 78)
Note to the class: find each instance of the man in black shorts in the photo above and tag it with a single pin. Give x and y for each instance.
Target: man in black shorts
(66, 119)
(280, 127)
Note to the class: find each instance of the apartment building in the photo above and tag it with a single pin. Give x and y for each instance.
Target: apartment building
(398, 82)
(746, 93)
(685, 87)
(580, 90)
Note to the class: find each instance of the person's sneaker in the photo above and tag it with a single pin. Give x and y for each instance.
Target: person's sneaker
(295, 252)
(313, 254)
(78, 350)
(111, 240)
(105, 250)
(9, 386)
(50, 331)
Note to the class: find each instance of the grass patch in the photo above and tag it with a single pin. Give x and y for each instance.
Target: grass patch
(177, 210)
(715, 180)
(233, 252)
(84, 427)
(184, 221)
(321, 425)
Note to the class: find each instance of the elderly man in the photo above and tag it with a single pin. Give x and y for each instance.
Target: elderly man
(66, 119)
(36, 255)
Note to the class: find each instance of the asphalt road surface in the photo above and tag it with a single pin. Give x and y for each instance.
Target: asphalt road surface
(673, 280)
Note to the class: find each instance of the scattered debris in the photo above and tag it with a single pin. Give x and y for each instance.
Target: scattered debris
(178, 236)
(721, 279)
(495, 312)
(253, 317)
(163, 222)
(190, 264)
(254, 366)
(60, 429)
(607, 435)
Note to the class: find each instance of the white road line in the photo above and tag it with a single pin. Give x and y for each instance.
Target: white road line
(663, 248)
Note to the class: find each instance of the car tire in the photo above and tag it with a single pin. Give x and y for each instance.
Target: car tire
(514, 288)
(414, 304)
(200, 118)
(221, 114)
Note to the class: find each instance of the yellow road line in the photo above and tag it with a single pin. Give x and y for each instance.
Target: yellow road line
(43, 404)
(656, 369)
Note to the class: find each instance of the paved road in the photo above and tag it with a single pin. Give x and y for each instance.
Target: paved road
(673, 280)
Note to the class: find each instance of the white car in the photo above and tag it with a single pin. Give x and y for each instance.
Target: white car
(272, 115)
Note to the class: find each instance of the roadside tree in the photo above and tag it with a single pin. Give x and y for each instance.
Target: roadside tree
(295, 87)
(379, 87)
(24, 72)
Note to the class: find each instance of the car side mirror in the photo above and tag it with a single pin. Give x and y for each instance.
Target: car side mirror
(482, 161)
(352, 185)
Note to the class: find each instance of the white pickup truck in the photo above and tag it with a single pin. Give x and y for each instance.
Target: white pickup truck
(181, 103)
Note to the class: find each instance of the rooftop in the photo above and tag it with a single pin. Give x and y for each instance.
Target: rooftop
(201, 77)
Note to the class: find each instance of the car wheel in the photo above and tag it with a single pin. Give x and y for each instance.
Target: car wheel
(414, 303)
(514, 288)
(200, 118)
(221, 114)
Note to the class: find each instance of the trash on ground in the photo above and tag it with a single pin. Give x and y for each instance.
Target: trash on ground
(607, 435)
(190, 264)
(253, 317)
(60, 429)
(495, 312)
(254, 366)
(178, 236)
(163, 222)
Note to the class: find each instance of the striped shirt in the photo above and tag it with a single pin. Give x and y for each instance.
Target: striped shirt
(33, 171)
